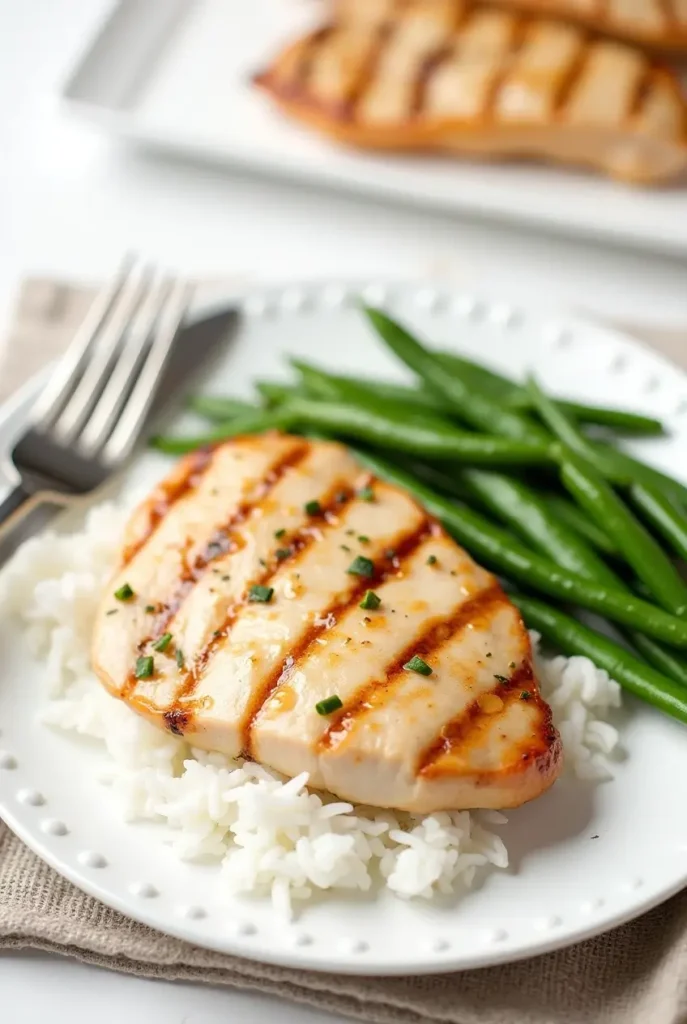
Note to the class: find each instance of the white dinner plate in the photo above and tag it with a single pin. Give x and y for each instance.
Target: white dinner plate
(583, 857)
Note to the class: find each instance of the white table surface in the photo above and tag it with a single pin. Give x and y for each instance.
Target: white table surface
(71, 202)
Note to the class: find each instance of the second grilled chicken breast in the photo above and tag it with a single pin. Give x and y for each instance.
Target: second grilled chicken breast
(457, 76)
(239, 619)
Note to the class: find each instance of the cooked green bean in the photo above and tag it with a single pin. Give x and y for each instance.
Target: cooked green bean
(327, 387)
(446, 479)
(622, 421)
(523, 510)
(668, 518)
(572, 637)
(214, 407)
(664, 658)
(451, 481)
(390, 427)
(639, 471)
(251, 423)
(528, 514)
(615, 465)
(274, 393)
(492, 383)
(635, 543)
(475, 408)
(576, 519)
(503, 553)
(516, 397)
(321, 384)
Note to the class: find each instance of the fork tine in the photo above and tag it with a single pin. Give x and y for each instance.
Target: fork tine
(97, 368)
(138, 404)
(67, 371)
(108, 408)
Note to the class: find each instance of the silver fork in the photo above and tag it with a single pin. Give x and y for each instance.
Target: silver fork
(88, 419)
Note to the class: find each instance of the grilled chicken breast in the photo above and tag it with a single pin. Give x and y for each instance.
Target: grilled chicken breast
(451, 75)
(241, 607)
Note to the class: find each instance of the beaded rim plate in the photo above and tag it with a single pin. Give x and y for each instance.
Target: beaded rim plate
(583, 858)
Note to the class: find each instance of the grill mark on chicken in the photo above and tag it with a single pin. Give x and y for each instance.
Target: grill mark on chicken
(300, 81)
(602, 11)
(221, 543)
(338, 495)
(477, 610)
(464, 728)
(383, 36)
(431, 61)
(641, 93)
(671, 24)
(427, 68)
(404, 546)
(167, 494)
(296, 84)
(571, 77)
(501, 71)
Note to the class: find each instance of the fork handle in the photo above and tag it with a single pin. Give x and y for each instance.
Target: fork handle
(11, 504)
(22, 514)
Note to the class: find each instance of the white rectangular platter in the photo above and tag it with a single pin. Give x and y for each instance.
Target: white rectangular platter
(176, 75)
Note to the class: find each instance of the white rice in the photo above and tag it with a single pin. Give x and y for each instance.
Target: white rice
(268, 834)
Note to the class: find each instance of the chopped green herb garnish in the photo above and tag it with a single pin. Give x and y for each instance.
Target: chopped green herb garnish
(225, 578)
(511, 664)
(281, 553)
(328, 705)
(370, 601)
(432, 560)
(525, 695)
(144, 667)
(363, 539)
(502, 679)
(263, 595)
(361, 566)
(488, 654)
(125, 593)
(149, 609)
(279, 533)
(180, 658)
(112, 611)
(313, 508)
(366, 494)
(262, 562)
(416, 664)
(345, 547)
(163, 642)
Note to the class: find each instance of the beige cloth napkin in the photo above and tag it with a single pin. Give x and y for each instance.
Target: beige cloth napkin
(636, 974)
